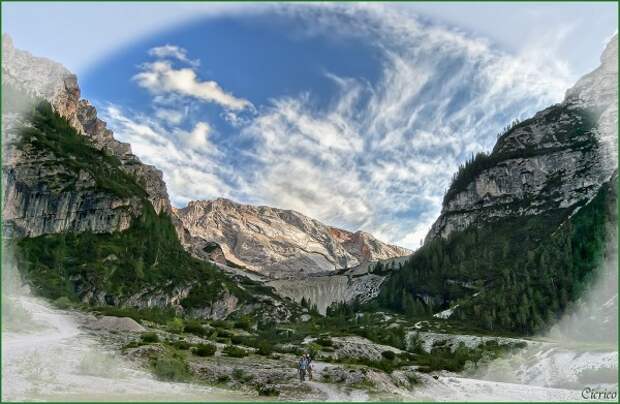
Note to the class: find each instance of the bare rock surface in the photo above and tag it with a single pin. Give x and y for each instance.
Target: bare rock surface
(275, 242)
(555, 161)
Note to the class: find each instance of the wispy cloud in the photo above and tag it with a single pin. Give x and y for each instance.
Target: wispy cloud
(380, 155)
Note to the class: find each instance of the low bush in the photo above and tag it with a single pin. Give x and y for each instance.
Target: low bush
(194, 327)
(325, 341)
(223, 379)
(175, 325)
(171, 368)
(235, 352)
(267, 391)
(63, 302)
(237, 339)
(222, 324)
(241, 375)
(204, 350)
(265, 347)
(389, 355)
(181, 344)
(244, 324)
(149, 337)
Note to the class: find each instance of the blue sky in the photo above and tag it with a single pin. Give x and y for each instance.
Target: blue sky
(355, 114)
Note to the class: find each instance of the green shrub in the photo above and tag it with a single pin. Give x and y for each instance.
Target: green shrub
(204, 350)
(265, 347)
(221, 324)
(149, 337)
(237, 339)
(312, 349)
(389, 355)
(241, 375)
(235, 352)
(194, 327)
(175, 325)
(244, 324)
(171, 368)
(324, 341)
(182, 345)
(267, 391)
(224, 333)
(223, 378)
(63, 302)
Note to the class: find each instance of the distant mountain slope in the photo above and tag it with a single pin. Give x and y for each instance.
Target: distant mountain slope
(275, 242)
(524, 228)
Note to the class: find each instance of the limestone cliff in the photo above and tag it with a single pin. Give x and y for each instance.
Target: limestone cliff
(556, 160)
(30, 206)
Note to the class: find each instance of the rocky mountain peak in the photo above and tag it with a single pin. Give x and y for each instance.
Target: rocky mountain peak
(552, 163)
(276, 242)
(42, 78)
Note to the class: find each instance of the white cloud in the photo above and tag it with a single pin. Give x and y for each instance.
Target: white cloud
(171, 116)
(198, 138)
(173, 51)
(161, 78)
(379, 156)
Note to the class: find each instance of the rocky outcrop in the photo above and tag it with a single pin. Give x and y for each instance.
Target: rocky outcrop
(554, 161)
(274, 242)
(326, 290)
(40, 195)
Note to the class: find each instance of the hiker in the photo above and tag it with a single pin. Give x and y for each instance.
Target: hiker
(308, 365)
(303, 364)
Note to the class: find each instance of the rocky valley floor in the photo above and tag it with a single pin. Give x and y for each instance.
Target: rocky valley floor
(72, 355)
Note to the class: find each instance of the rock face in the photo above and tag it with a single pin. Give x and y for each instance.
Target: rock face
(323, 291)
(558, 159)
(274, 242)
(30, 206)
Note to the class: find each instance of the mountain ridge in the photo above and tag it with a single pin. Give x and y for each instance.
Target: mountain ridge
(276, 242)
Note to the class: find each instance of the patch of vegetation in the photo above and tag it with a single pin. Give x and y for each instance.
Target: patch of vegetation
(204, 350)
(149, 337)
(194, 327)
(181, 345)
(175, 325)
(235, 352)
(389, 355)
(171, 366)
(241, 376)
(244, 323)
(324, 341)
(267, 391)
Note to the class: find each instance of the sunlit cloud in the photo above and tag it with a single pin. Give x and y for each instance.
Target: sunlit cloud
(377, 157)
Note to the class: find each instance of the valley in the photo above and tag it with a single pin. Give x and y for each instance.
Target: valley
(114, 294)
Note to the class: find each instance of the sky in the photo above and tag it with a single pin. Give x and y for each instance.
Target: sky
(354, 114)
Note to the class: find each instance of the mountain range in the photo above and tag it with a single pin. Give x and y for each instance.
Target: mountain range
(92, 223)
